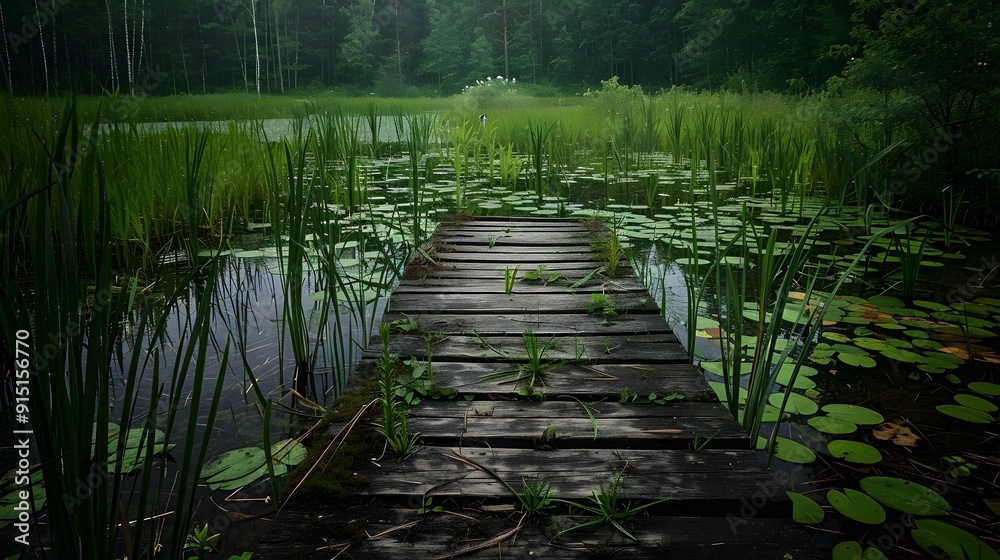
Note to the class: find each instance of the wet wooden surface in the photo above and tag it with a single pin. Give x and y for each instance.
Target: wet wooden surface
(588, 421)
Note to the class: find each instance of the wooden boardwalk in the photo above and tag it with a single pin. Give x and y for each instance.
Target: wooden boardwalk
(723, 504)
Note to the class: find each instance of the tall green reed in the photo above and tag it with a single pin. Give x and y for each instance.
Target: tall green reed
(417, 130)
(74, 312)
(538, 139)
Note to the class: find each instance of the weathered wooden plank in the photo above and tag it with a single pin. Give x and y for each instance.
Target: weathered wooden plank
(495, 284)
(404, 302)
(317, 534)
(513, 424)
(582, 252)
(542, 324)
(584, 381)
(565, 409)
(542, 257)
(711, 481)
(479, 238)
(573, 270)
(634, 349)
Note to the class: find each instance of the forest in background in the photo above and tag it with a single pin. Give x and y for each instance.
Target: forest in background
(435, 47)
(918, 78)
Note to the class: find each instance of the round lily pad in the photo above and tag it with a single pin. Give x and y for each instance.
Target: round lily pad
(788, 450)
(853, 413)
(804, 509)
(831, 425)
(836, 337)
(801, 381)
(847, 550)
(854, 452)
(871, 343)
(233, 464)
(289, 452)
(905, 495)
(857, 506)
(798, 404)
(900, 355)
(857, 360)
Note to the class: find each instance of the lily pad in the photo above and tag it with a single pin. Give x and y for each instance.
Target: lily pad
(831, 425)
(288, 452)
(965, 413)
(857, 360)
(233, 464)
(985, 388)
(797, 403)
(847, 550)
(946, 541)
(975, 402)
(905, 495)
(857, 506)
(901, 355)
(788, 450)
(871, 343)
(853, 413)
(804, 509)
(854, 452)
(801, 381)
(720, 391)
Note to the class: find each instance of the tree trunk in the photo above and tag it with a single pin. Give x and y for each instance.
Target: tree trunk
(506, 61)
(277, 48)
(41, 41)
(399, 55)
(180, 44)
(6, 52)
(55, 51)
(111, 48)
(256, 44)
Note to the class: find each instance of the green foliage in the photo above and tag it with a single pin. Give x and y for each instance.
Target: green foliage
(600, 303)
(540, 274)
(509, 275)
(394, 424)
(491, 93)
(609, 506)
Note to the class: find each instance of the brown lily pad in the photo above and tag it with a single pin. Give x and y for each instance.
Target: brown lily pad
(900, 435)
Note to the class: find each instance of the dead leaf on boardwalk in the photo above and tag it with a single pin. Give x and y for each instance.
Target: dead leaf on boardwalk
(900, 435)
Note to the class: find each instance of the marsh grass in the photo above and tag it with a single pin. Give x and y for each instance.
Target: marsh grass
(535, 367)
(608, 506)
(76, 299)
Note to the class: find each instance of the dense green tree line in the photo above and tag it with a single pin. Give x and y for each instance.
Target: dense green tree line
(196, 46)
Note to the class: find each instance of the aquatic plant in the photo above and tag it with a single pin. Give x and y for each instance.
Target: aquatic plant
(608, 506)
